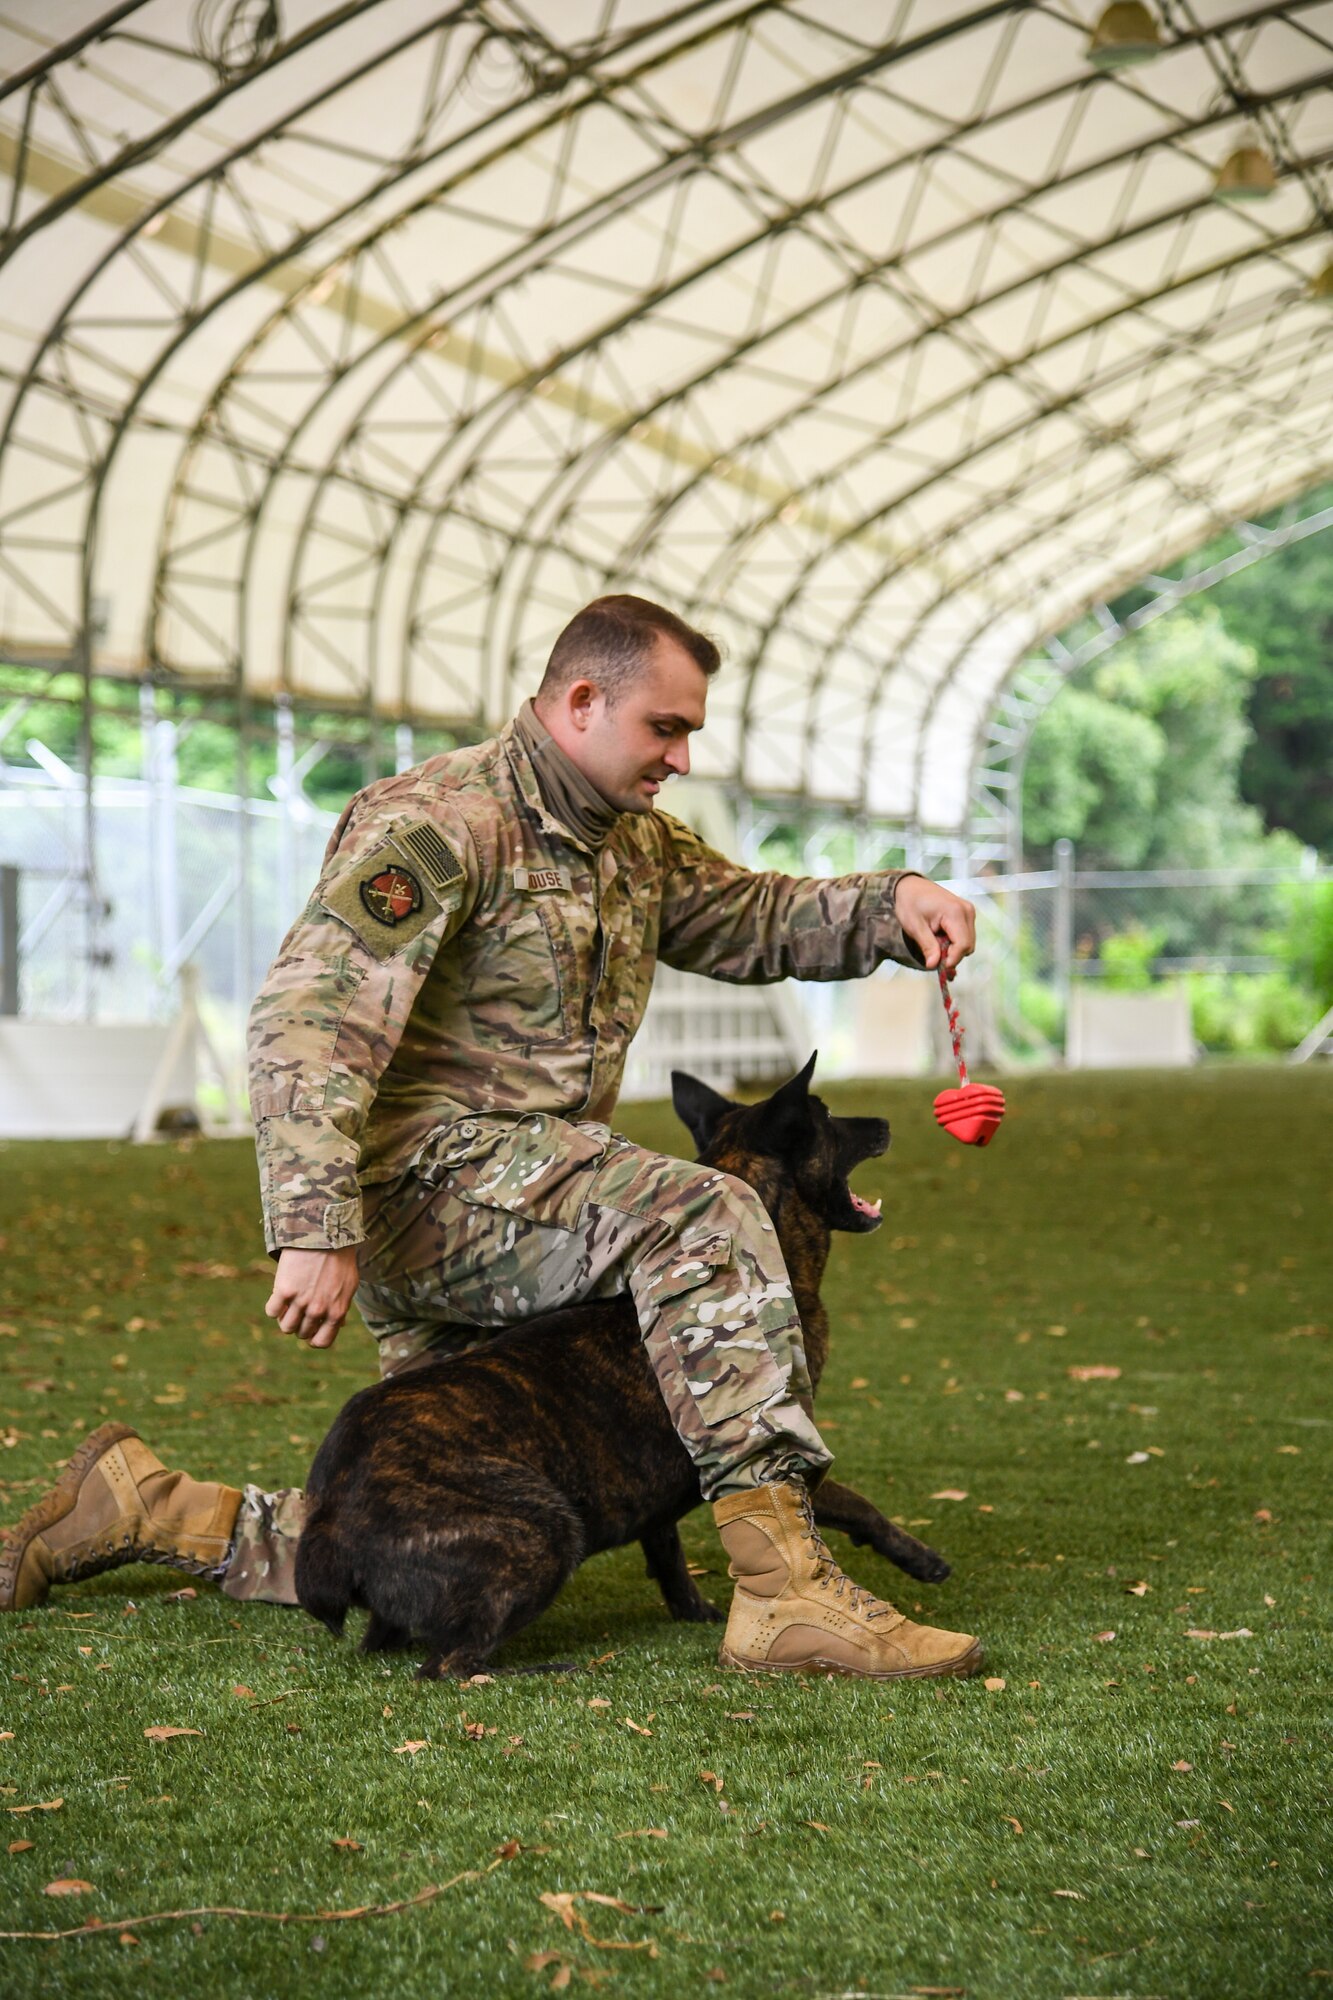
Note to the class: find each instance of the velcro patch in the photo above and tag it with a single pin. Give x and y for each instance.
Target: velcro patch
(383, 898)
(542, 878)
(427, 846)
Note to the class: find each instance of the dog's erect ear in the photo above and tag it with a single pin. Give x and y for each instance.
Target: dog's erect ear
(698, 1106)
(787, 1112)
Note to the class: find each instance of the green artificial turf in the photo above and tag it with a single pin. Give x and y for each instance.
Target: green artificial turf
(1139, 1809)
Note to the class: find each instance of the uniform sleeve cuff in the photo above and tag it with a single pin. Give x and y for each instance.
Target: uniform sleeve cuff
(333, 1225)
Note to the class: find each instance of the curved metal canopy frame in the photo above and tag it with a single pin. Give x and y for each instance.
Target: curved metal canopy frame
(883, 341)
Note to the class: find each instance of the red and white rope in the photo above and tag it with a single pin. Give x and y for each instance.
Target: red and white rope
(955, 1025)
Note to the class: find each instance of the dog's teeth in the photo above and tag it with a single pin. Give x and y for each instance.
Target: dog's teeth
(875, 1205)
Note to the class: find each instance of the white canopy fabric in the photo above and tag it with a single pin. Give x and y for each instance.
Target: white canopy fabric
(348, 349)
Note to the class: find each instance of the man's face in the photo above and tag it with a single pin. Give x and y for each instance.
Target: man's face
(628, 750)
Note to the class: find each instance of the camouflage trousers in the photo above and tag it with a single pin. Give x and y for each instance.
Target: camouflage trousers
(504, 1218)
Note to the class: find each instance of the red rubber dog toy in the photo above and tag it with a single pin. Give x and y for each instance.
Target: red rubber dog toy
(973, 1111)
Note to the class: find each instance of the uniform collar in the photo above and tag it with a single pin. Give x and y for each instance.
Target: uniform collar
(564, 801)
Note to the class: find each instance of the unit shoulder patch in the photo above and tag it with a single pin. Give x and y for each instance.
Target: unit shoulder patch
(390, 895)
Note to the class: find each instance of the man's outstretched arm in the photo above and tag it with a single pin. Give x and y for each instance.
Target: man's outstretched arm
(751, 926)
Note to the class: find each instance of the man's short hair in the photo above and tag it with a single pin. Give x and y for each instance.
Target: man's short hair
(613, 639)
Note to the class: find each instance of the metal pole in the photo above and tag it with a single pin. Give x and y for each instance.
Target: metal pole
(285, 724)
(1064, 921)
(9, 940)
(148, 771)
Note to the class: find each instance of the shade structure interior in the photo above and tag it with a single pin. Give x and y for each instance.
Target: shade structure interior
(346, 350)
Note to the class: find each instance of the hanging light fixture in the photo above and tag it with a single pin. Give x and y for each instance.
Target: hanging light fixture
(1126, 32)
(1247, 173)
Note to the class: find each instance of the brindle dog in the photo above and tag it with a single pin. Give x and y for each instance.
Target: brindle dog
(453, 1501)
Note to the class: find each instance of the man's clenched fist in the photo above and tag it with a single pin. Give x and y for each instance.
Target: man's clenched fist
(936, 920)
(312, 1291)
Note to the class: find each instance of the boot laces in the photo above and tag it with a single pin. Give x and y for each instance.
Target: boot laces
(829, 1574)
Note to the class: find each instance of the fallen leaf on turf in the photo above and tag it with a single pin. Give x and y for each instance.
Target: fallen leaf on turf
(162, 1731)
(1009, 1820)
(246, 1694)
(538, 1961)
(1098, 1372)
(1226, 1805)
(1182, 1765)
(481, 1680)
(410, 1749)
(711, 1778)
(22, 1846)
(1137, 1458)
(950, 1493)
(7, 1735)
(615, 1903)
(1137, 1589)
(1187, 1823)
(777, 1916)
(994, 1685)
(599, 1701)
(860, 1382)
(69, 1885)
(561, 1979)
(717, 1975)
(740, 1715)
(47, 1805)
(1074, 1895)
(818, 1826)
(1243, 1632)
(637, 1727)
(1102, 1637)
(1293, 1449)
(181, 1596)
(644, 1833)
(1263, 1514)
(1143, 1854)
(352, 1846)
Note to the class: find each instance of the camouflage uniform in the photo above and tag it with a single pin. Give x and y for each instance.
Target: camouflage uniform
(432, 1060)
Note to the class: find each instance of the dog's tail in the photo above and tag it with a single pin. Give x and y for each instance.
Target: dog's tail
(324, 1584)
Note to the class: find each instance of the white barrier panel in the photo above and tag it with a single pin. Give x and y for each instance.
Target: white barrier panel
(1129, 1030)
(892, 1023)
(82, 1080)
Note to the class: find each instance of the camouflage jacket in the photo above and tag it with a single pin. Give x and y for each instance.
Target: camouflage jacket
(462, 952)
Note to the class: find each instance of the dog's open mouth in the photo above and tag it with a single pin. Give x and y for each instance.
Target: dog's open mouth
(870, 1209)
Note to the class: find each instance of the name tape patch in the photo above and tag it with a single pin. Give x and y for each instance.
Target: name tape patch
(542, 878)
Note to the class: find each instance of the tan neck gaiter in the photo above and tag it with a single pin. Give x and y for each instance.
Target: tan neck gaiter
(573, 799)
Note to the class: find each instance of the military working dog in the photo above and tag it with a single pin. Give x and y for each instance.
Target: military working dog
(453, 1501)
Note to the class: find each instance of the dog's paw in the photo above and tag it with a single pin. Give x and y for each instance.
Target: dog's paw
(701, 1612)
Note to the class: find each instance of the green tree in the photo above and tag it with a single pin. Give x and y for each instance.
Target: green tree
(1282, 608)
(1140, 766)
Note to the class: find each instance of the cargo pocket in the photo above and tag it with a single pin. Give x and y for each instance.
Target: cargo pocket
(725, 1362)
(535, 1167)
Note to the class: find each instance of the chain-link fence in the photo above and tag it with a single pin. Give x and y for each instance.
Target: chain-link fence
(187, 876)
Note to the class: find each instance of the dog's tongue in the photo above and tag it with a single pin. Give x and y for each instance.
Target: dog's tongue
(866, 1207)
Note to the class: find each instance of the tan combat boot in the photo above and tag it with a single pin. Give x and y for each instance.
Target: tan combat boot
(794, 1611)
(115, 1503)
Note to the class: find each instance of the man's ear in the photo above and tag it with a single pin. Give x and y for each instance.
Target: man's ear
(786, 1114)
(699, 1107)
